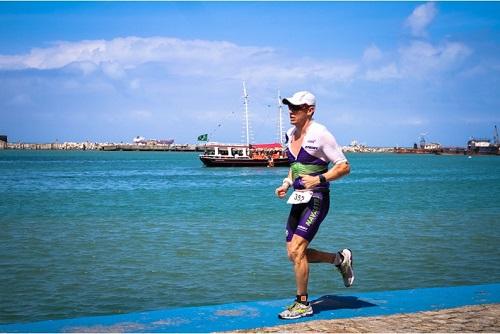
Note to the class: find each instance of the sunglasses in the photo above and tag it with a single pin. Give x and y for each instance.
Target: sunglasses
(294, 108)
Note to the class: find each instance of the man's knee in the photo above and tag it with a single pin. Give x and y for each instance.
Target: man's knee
(296, 254)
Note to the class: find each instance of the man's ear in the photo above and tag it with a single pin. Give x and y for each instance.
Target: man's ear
(311, 110)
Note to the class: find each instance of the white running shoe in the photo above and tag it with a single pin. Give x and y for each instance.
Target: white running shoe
(346, 267)
(296, 310)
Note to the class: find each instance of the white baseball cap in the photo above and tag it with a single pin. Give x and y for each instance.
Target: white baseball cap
(299, 98)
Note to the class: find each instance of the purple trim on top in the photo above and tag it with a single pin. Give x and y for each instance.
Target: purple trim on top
(304, 158)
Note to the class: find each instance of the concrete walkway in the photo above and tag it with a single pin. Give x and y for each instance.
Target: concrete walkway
(363, 312)
(481, 318)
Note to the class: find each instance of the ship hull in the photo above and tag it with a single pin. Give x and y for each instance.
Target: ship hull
(489, 150)
(243, 162)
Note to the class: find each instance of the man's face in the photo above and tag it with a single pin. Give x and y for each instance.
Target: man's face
(300, 114)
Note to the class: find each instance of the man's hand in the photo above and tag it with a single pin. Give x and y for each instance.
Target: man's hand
(281, 190)
(310, 181)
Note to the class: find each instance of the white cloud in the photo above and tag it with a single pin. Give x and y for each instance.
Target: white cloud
(83, 67)
(480, 69)
(120, 54)
(385, 72)
(180, 57)
(420, 18)
(421, 58)
(372, 54)
(113, 70)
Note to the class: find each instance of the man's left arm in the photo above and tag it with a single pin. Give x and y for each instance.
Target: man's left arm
(333, 152)
(336, 172)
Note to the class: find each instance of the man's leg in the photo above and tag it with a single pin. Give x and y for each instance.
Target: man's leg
(342, 260)
(297, 250)
(316, 256)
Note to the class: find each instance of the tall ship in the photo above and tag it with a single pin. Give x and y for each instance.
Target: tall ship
(247, 155)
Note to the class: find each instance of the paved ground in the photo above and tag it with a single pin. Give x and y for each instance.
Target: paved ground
(479, 318)
(468, 308)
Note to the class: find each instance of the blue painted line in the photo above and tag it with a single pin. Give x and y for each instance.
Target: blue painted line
(235, 316)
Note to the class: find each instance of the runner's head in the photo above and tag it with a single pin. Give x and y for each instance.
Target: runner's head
(300, 98)
(301, 106)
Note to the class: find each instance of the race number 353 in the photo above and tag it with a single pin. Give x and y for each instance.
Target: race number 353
(298, 197)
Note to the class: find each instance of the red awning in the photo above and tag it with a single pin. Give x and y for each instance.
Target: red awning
(276, 146)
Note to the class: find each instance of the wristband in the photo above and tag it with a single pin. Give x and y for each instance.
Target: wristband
(322, 178)
(288, 181)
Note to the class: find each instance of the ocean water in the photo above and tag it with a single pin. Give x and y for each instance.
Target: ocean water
(99, 233)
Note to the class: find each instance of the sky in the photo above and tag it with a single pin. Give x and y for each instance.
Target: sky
(383, 73)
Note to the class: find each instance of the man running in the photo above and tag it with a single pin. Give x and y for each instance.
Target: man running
(310, 148)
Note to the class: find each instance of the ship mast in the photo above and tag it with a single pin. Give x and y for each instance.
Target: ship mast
(245, 97)
(280, 121)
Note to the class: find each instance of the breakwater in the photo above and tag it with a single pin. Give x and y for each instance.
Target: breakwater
(158, 147)
(83, 146)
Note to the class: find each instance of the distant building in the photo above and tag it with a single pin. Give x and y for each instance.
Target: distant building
(3, 138)
(139, 140)
(432, 146)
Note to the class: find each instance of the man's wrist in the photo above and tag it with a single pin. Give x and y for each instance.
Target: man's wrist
(288, 182)
(322, 178)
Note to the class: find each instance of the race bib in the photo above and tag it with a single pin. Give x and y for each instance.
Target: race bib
(300, 196)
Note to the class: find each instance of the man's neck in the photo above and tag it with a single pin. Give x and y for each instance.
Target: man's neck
(300, 128)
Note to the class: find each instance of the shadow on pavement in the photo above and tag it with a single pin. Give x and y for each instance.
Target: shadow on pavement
(331, 302)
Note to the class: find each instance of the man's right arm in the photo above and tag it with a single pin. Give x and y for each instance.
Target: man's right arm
(287, 183)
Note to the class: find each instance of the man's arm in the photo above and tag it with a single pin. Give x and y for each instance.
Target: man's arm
(337, 171)
(334, 173)
(287, 183)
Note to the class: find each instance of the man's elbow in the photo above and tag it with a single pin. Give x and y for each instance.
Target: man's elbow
(346, 168)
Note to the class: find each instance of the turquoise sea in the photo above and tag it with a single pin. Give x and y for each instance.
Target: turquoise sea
(99, 233)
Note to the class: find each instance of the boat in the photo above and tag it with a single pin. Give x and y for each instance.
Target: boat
(246, 155)
(239, 155)
(483, 146)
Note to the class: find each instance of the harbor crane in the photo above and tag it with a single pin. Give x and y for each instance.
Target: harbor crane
(422, 139)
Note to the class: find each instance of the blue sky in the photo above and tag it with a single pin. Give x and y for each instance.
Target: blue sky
(382, 72)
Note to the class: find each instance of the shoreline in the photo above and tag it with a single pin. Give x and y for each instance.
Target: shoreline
(158, 147)
(201, 148)
(171, 147)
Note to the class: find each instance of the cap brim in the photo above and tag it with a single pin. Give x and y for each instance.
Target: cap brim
(287, 102)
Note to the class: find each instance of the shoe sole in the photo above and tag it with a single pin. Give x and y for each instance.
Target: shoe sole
(297, 317)
(352, 268)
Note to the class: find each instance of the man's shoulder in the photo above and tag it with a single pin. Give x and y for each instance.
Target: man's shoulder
(318, 128)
